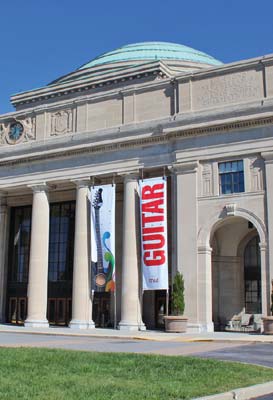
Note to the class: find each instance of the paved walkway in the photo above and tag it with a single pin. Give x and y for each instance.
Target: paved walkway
(142, 335)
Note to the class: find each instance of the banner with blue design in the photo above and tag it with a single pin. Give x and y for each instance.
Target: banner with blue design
(103, 202)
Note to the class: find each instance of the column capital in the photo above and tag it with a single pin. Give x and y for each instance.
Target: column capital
(130, 175)
(184, 167)
(38, 187)
(3, 199)
(204, 249)
(267, 156)
(263, 246)
(81, 182)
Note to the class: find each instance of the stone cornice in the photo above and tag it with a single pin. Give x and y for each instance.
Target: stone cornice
(124, 143)
(257, 63)
(87, 97)
(91, 82)
(184, 167)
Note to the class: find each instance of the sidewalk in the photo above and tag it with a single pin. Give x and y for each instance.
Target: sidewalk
(142, 335)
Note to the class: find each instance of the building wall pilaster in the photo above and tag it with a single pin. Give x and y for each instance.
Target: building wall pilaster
(186, 236)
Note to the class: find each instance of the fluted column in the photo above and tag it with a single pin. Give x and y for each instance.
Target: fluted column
(81, 297)
(131, 317)
(38, 261)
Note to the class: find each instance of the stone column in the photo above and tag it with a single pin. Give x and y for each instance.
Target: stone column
(3, 254)
(38, 261)
(131, 313)
(205, 289)
(267, 269)
(81, 297)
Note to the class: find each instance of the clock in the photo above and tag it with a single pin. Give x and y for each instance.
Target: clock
(15, 132)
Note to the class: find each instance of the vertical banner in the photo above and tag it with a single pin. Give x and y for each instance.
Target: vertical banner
(103, 201)
(154, 247)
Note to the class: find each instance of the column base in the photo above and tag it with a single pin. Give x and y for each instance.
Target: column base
(200, 328)
(131, 326)
(76, 324)
(31, 323)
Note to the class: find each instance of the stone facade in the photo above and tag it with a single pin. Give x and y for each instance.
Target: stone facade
(147, 121)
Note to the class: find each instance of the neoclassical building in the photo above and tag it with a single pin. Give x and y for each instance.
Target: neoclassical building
(143, 110)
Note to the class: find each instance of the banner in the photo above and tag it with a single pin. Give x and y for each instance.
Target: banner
(154, 247)
(103, 201)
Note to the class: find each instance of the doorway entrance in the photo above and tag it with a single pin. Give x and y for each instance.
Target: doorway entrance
(102, 310)
(236, 272)
(18, 261)
(60, 262)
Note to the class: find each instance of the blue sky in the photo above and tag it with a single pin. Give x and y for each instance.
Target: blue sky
(42, 40)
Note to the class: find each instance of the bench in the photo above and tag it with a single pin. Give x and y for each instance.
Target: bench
(244, 322)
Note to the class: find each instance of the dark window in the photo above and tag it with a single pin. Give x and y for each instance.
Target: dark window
(252, 270)
(61, 239)
(19, 244)
(231, 177)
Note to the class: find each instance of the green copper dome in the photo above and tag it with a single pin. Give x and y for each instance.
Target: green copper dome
(152, 51)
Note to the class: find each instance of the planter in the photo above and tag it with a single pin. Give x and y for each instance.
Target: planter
(268, 325)
(175, 323)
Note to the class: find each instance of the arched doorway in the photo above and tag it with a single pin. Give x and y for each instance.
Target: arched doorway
(236, 270)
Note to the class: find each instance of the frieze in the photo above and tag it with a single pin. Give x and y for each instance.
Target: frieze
(61, 122)
(18, 130)
(232, 88)
(147, 141)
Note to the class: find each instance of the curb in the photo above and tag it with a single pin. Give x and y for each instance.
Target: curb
(242, 393)
(135, 336)
(126, 337)
(76, 335)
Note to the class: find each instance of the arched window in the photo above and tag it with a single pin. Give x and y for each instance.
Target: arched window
(252, 275)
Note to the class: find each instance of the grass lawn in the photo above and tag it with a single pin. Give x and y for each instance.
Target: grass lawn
(30, 373)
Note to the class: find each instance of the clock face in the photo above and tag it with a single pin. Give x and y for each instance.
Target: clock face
(15, 131)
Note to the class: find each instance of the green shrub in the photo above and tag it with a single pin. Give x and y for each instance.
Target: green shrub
(178, 301)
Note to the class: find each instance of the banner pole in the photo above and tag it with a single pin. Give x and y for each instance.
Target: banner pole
(115, 308)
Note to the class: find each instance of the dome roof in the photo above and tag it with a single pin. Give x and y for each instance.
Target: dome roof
(152, 51)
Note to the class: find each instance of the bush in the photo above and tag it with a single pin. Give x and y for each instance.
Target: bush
(178, 302)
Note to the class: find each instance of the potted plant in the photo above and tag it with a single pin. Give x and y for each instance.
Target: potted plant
(177, 322)
(268, 321)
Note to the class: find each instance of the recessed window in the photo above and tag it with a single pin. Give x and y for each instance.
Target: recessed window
(252, 272)
(19, 244)
(61, 239)
(231, 177)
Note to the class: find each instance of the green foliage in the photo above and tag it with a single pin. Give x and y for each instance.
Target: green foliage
(42, 374)
(178, 301)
